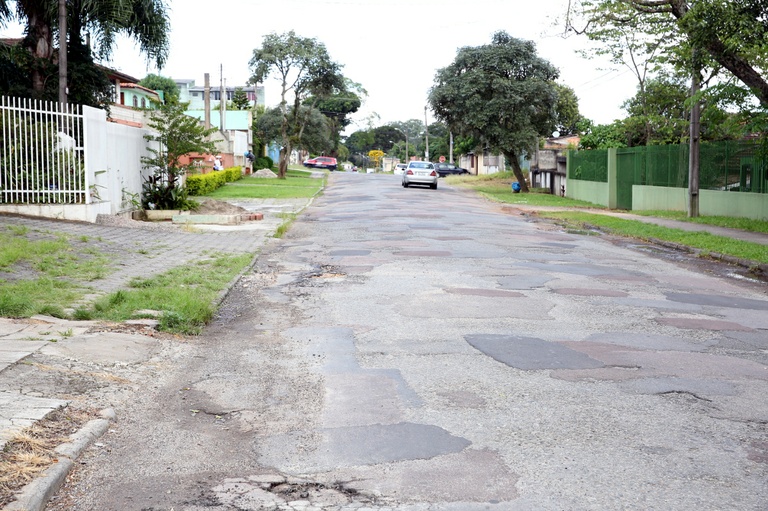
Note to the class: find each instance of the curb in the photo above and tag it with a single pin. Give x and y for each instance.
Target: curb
(35, 495)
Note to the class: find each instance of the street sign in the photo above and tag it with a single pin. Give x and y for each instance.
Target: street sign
(442, 159)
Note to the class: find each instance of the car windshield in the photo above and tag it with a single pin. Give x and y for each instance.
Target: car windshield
(421, 165)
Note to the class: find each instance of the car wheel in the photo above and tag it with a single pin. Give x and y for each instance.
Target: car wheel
(405, 185)
(433, 186)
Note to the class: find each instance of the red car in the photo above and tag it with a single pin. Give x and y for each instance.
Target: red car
(321, 162)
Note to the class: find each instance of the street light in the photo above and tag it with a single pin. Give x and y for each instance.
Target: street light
(406, 141)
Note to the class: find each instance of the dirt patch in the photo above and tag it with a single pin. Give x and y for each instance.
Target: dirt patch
(215, 207)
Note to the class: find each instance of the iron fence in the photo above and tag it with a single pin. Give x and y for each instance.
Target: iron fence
(42, 153)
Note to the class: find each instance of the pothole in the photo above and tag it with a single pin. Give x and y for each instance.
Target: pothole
(273, 492)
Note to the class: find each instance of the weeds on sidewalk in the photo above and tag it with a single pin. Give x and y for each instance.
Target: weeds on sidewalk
(31, 450)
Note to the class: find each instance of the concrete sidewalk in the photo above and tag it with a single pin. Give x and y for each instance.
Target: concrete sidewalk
(137, 249)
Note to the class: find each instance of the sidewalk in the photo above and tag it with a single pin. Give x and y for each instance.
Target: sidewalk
(138, 249)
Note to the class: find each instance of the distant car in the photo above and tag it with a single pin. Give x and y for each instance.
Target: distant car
(420, 173)
(399, 169)
(321, 162)
(449, 169)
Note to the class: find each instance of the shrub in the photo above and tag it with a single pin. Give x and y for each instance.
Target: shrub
(263, 162)
(203, 184)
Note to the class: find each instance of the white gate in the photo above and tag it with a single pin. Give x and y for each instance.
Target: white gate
(42, 155)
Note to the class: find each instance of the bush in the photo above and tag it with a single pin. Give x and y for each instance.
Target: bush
(263, 162)
(203, 184)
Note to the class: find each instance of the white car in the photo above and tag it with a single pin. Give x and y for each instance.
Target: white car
(399, 169)
(420, 173)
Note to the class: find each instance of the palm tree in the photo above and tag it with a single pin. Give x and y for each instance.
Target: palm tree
(145, 21)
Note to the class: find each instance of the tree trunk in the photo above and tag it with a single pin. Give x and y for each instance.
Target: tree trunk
(41, 46)
(517, 171)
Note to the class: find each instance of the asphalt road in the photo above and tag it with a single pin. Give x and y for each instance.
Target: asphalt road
(411, 349)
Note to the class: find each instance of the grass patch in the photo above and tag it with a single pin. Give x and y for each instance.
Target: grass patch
(185, 295)
(498, 187)
(745, 224)
(288, 219)
(297, 184)
(52, 257)
(25, 298)
(703, 241)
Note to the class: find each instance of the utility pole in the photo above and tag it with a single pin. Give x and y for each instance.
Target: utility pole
(695, 133)
(450, 145)
(207, 100)
(426, 132)
(63, 52)
(222, 100)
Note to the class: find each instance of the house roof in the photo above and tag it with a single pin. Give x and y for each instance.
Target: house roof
(139, 87)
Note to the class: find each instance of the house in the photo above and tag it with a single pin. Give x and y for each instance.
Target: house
(548, 164)
(195, 94)
(482, 162)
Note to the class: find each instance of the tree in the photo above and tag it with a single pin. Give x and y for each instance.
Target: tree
(239, 100)
(145, 21)
(566, 110)
(317, 132)
(162, 83)
(338, 106)
(602, 136)
(733, 34)
(502, 94)
(304, 69)
(175, 135)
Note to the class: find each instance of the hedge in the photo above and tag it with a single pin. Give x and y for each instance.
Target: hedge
(203, 184)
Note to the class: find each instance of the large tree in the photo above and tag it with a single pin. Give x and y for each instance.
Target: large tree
(502, 94)
(304, 70)
(731, 35)
(145, 21)
(316, 138)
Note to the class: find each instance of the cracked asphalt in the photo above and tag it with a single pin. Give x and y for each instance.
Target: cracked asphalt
(420, 350)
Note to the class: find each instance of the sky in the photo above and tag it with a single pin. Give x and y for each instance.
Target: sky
(393, 48)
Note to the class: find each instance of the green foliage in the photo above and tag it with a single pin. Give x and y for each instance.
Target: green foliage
(263, 162)
(239, 100)
(162, 83)
(35, 71)
(729, 37)
(315, 135)
(501, 93)
(304, 69)
(204, 184)
(567, 110)
(176, 135)
(601, 136)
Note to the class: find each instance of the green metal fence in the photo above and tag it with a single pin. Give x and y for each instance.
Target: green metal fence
(728, 166)
(589, 165)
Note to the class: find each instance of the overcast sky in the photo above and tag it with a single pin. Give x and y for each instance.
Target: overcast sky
(391, 47)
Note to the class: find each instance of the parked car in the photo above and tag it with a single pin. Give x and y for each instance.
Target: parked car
(321, 162)
(420, 173)
(399, 169)
(449, 169)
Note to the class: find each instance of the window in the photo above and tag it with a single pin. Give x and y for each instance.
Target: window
(135, 102)
(143, 103)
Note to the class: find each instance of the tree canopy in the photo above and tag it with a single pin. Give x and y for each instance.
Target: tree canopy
(145, 21)
(729, 35)
(502, 94)
(162, 83)
(304, 69)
